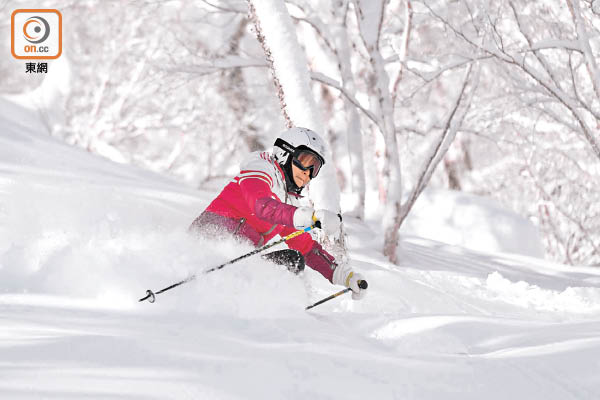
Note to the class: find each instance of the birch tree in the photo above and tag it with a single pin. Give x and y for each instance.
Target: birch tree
(328, 21)
(276, 34)
(370, 16)
(382, 84)
(342, 46)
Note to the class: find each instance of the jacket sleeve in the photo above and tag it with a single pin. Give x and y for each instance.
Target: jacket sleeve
(257, 193)
(315, 256)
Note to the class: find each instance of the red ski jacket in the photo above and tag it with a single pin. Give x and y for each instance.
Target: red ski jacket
(257, 206)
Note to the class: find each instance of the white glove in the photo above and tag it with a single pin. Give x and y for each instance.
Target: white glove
(303, 217)
(344, 276)
(330, 222)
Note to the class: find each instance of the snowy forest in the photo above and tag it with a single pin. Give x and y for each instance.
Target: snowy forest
(498, 98)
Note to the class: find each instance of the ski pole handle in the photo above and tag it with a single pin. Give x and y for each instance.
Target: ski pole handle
(317, 223)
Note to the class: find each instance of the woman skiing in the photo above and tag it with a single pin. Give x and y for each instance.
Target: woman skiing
(260, 202)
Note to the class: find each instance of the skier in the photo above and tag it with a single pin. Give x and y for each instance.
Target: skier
(260, 202)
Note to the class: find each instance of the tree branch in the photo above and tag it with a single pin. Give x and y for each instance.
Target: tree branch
(319, 77)
(438, 150)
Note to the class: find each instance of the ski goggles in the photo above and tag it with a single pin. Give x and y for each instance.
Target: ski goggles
(307, 160)
(302, 157)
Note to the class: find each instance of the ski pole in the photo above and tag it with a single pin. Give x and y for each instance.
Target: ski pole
(361, 284)
(151, 296)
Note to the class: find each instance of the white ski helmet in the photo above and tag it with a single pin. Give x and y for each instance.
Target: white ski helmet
(295, 141)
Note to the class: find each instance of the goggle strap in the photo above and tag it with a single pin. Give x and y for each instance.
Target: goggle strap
(285, 146)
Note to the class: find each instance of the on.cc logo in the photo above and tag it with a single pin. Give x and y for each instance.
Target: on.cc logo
(36, 29)
(36, 34)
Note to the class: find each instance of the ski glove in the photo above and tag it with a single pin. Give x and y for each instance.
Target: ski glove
(306, 216)
(330, 222)
(303, 217)
(344, 276)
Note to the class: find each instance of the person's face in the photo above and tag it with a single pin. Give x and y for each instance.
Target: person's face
(301, 178)
(305, 166)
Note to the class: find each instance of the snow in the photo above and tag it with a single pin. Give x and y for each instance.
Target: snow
(82, 238)
(473, 222)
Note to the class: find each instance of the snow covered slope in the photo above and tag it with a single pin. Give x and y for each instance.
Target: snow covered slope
(82, 238)
(473, 222)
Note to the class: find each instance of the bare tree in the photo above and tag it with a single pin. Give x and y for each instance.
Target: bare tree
(382, 85)
(542, 112)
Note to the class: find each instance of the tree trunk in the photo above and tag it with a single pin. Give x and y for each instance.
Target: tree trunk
(277, 35)
(370, 19)
(353, 129)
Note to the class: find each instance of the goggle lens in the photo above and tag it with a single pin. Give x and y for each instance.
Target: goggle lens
(307, 161)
